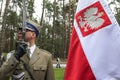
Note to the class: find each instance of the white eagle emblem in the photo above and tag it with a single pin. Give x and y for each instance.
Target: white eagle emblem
(92, 19)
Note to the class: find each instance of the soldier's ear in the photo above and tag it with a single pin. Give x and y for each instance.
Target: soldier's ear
(34, 34)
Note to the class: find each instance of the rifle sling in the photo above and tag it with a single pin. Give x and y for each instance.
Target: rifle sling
(26, 68)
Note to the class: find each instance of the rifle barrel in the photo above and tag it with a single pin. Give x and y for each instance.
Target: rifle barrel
(24, 19)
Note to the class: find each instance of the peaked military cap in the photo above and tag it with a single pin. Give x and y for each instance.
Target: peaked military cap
(32, 26)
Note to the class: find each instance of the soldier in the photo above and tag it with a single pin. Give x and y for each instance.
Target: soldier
(58, 63)
(23, 65)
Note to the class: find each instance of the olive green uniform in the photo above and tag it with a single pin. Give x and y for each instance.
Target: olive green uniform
(39, 65)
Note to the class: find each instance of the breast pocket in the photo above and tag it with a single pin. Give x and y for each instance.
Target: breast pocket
(39, 71)
(40, 68)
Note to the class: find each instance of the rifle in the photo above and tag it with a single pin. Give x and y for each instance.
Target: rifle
(26, 67)
(24, 20)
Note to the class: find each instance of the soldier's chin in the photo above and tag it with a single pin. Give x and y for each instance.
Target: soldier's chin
(26, 40)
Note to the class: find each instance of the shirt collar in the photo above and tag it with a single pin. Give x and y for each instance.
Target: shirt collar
(32, 48)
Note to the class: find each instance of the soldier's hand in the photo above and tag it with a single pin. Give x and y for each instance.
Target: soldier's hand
(21, 49)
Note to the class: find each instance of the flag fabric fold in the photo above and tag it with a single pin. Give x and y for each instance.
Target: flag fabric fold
(94, 47)
(77, 65)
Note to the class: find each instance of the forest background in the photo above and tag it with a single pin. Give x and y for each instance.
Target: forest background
(55, 22)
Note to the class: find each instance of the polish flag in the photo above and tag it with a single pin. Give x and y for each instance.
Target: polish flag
(94, 52)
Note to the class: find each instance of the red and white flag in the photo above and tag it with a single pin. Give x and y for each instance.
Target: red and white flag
(94, 52)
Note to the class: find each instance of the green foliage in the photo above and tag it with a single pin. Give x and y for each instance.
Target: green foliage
(49, 6)
(55, 25)
(30, 8)
(13, 21)
(116, 3)
(118, 17)
(44, 40)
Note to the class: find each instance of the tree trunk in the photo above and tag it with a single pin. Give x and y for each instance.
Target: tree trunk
(53, 33)
(64, 32)
(1, 7)
(3, 40)
(41, 21)
(69, 28)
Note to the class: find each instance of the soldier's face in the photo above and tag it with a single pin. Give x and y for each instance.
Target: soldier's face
(29, 35)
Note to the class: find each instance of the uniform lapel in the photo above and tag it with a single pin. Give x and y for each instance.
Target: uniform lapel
(25, 58)
(35, 56)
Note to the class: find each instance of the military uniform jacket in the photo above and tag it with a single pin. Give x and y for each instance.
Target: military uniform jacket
(39, 65)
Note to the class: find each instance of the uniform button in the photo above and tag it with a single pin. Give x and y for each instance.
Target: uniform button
(26, 78)
(12, 64)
